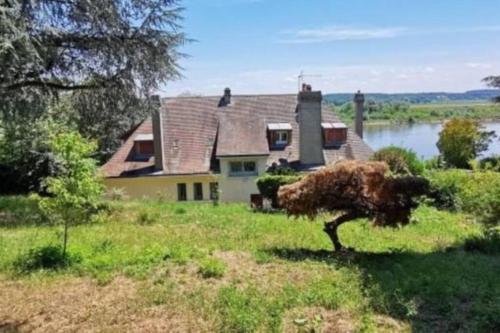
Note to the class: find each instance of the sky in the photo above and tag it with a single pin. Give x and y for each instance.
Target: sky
(262, 46)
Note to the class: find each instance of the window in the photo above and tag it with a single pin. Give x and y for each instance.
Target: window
(143, 150)
(181, 192)
(198, 191)
(334, 134)
(214, 191)
(279, 138)
(242, 168)
(282, 138)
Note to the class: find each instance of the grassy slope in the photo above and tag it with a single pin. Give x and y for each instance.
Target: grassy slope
(225, 268)
(433, 112)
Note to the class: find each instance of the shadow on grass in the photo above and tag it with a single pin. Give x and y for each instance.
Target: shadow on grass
(451, 291)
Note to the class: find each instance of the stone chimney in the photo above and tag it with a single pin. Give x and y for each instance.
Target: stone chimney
(310, 134)
(359, 106)
(156, 118)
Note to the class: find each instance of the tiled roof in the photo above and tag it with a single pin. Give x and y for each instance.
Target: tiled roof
(122, 164)
(196, 129)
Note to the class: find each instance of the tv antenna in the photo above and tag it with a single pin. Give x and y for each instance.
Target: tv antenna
(302, 75)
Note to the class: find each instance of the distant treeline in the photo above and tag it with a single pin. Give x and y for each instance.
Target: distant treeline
(419, 98)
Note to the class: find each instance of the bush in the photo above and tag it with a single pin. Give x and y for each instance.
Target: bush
(490, 163)
(269, 185)
(212, 268)
(487, 243)
(401, 161)
(46, 257)
(476, 193)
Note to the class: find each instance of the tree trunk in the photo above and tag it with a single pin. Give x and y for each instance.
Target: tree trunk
(65, 237)
(332, 226)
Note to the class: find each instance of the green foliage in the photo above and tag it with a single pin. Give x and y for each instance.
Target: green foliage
(395, 112)
(487, 243)
(401, 161)
(75, 193)
(212, 268)
(269, 185)
(46, 257)
(490, 163)
(476, 193)
(462, 140)
(281, 170)
(147, 217)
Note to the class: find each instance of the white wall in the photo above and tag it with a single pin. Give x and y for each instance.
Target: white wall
(236, 188)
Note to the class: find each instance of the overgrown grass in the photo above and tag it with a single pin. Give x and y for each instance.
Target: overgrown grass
(241, 271)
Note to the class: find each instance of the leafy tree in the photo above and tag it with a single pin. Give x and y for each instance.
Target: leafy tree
(25, 155)
(112, 54)
(106, 115)
(75, 192)
(55, 45)
(462, 140)
(493, 81)
(355, 189)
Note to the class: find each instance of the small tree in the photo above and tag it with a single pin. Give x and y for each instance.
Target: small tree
(75, 192)
(354, 189)
(269, 185)
(462, 140)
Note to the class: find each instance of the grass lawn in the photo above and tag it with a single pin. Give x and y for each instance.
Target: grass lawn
(152, 266)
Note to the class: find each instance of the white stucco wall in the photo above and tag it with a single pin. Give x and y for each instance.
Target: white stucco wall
(239, 188)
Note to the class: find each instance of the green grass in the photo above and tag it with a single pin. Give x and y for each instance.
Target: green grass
(427, 112)
(243, 271)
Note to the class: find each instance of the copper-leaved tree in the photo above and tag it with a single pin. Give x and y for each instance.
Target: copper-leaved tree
(351, 190)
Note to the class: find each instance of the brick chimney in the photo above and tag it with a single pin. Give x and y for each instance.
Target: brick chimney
(310, 134)
(226, 98)
(359, 106)
(156, 118)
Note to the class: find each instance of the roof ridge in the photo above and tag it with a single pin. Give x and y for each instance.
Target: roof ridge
(220, 96)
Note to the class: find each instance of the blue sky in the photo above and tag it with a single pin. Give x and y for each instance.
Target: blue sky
(261, 46)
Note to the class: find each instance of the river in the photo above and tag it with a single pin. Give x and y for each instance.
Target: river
(420, 137)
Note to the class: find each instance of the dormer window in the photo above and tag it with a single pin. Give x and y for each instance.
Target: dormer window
(279, 135)
(334, 134)
(143, 146)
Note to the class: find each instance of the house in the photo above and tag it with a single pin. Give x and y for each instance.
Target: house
(195, 147)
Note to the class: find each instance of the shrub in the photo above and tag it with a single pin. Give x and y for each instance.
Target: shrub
(269, 185)
(490, 163)
(487, 243)
(46, 257)
(212, 268)
(476, 193)
(401, 161)
(147, 218)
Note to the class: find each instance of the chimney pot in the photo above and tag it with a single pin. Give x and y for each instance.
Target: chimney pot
(227, 96)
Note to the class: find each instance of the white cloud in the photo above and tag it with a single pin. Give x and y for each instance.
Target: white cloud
(480, 65)
(339, 33)
(446, 76)
(328, 34)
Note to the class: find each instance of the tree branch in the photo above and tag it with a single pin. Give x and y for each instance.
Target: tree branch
(52, 85)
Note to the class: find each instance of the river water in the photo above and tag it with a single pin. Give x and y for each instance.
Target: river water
(420, 137)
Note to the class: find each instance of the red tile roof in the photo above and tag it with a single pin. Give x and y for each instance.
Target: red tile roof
(196, 129)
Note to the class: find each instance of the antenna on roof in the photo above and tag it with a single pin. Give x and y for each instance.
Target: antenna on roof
(300, 78)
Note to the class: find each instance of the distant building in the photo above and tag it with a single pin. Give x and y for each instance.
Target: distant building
(194, 146)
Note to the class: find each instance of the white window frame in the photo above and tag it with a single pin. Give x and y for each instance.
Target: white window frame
(282, 138)
(242, 172)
